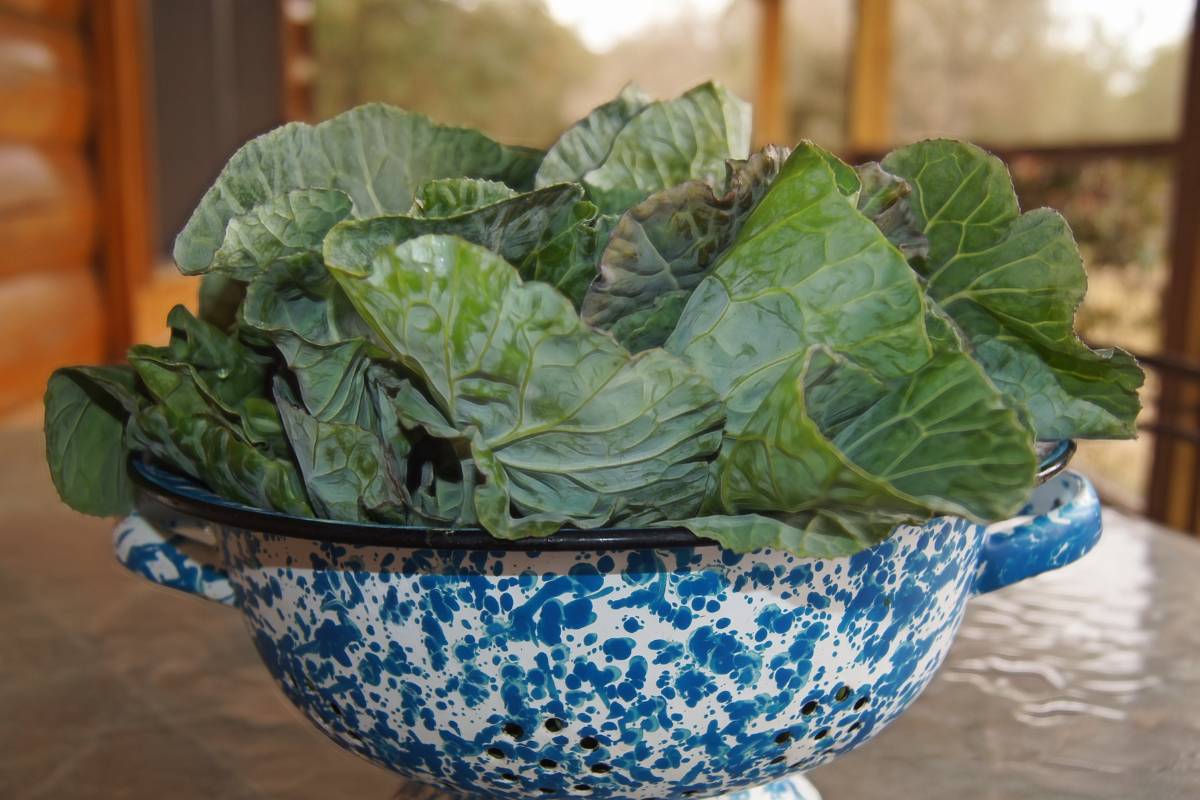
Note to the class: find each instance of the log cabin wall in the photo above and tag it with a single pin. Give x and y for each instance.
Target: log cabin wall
(79, 114)
(51, 308)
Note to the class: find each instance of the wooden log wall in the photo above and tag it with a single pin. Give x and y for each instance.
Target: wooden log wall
(51, 311)
(74, 217)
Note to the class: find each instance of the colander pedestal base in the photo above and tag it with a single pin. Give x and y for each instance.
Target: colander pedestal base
(793, 787)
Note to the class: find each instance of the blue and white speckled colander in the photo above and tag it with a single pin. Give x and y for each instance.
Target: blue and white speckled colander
(597, 665)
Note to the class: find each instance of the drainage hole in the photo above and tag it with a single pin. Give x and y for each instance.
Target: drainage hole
(496, 752)
(778, 759)
(548, 763)
(862, 701)
(690, 792)
(821, 734)
(601, 769)
(842, 694)
(546, 789)
(334, 707)
(554, 724)
(783, 738)
(514, 730)
(855, 726)
(582, 787)
(589, 742)
(809, 708)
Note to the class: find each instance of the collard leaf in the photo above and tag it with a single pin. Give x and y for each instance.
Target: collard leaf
(288, 224)
(669, 142)
(446, 502)
(327, 346)
(375, 154)
(564, 423)
(815, 534)
(410, 408)
(194, 426)
(842, 409)
(330, 378)
(439, 454)
(206, 448)
(585, 144)
(1012, 282)
(806, 471)
(345, 467)
(449, 197)
(806, 269)
(651, 326)
(86, 409)
(838, 447)
(883, 199)
(844, 176)
(568, 256)
(220, 298)
(513, 228)
(947, 437)
(549, 234)
(203, 367)
(665, 245)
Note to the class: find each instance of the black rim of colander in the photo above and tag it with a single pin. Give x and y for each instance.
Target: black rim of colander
(154, 498)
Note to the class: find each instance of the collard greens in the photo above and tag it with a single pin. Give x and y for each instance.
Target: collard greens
(409, 323)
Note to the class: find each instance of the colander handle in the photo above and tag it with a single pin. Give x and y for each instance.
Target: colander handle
(1062, 525)
(172, 559)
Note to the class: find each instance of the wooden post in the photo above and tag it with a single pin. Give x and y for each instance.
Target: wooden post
(770, 123)
(299, 66)
(869, 115)
(1175, 479)
(118, 43)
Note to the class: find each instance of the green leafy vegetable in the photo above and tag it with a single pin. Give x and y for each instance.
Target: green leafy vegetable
(375, 154)
(204, 447)
(806, 269)
(1012, 282)
(346, 470)
(86, 409)
(688, 138)
(299, 307)
(542, 232)
(664, 245)
(220, 299)
(883, 198)
(412, 324)
(827, 416)
(448, 197)
(287, 224)
(564, 423)
(584, 145)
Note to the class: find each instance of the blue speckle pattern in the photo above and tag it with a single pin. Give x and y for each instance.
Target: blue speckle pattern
(637, 674)
(1049, 534)
(170, 559)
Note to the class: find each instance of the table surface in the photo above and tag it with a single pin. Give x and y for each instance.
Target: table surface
(1081, 683)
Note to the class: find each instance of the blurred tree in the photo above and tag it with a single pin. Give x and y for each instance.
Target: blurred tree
(1006, 73)
(1156, 102)
(1118, 208)
(668, 58)
(994, 72)
(503, 66)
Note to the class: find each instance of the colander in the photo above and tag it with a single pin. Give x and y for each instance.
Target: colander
(602, 664)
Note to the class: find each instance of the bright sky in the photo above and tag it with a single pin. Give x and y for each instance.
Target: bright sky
(1146, 24)
(601, 24)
